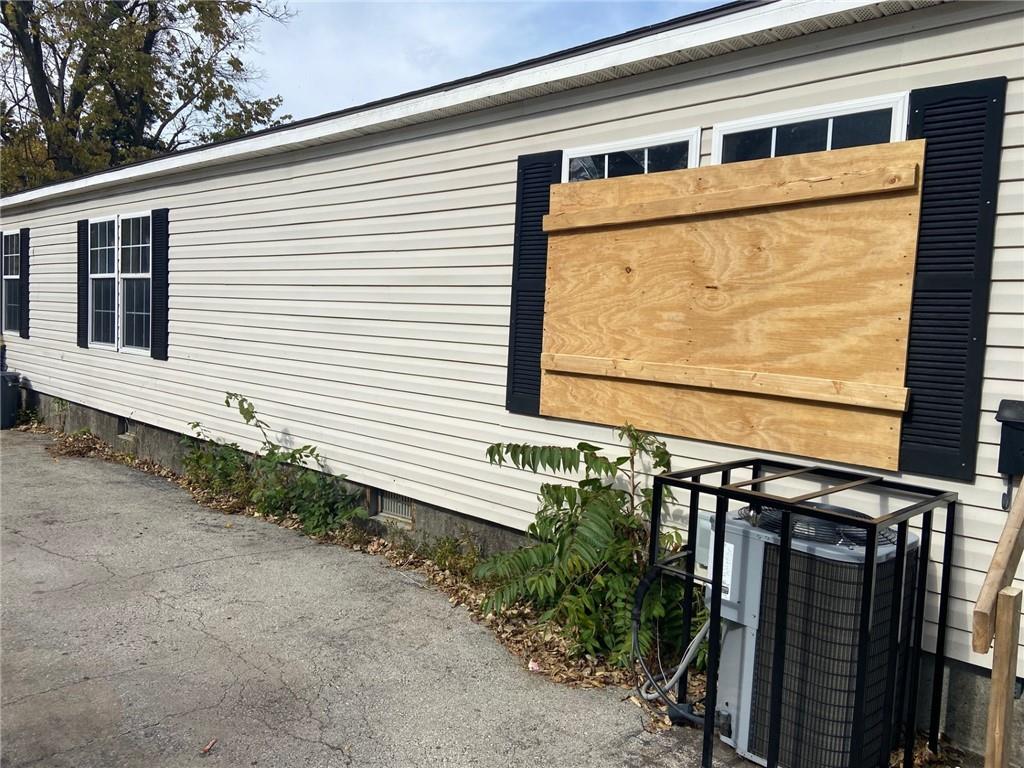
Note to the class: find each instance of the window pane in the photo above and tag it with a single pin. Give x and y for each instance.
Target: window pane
(101, 247)
(104, 261)
(873, 127)
(135, 245)
(135, 259)
(103, 310)
(625, 163)
(12, 254)
(668, 157)
(796, 138)
(747, 145)
(12, 315)
(587, 167)
(135, 316)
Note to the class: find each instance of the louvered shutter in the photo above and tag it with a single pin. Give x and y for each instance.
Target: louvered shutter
(963, 126)
(83, 283)
(23, 284)
(529, 264)
(158, 319)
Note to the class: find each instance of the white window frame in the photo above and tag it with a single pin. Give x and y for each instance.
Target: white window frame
(118, 345)
(6, 279)
(897, 102)
(134, 276)
(691, 135)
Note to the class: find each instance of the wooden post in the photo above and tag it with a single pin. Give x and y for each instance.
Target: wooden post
(1004, 674)
(1000, 574)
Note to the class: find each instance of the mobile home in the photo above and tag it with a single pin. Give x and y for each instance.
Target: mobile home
(374, 279)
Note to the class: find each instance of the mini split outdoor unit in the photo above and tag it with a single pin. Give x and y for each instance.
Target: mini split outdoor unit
(820, 678)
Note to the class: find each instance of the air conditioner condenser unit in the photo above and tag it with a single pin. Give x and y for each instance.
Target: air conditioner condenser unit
(826, 581)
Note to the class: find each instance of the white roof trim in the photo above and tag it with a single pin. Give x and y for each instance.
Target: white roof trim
(760, 19)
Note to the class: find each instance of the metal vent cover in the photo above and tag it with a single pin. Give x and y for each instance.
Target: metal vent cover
(390, 504)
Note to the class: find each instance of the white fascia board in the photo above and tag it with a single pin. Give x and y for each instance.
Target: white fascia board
(750, 21)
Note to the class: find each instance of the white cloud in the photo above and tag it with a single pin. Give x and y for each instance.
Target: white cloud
(335, 55)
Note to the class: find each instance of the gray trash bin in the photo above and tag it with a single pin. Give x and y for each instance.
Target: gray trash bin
(10, 398)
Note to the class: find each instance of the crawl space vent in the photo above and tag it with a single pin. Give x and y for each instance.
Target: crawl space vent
(395, 506)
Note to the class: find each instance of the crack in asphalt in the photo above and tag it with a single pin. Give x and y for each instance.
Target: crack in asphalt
(81, 681)
(37, 544)
(95, 559)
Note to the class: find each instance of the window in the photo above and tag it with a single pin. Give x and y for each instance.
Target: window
(135, 282)
(667, 152)
(120, 283)
(836, 126)
(12, 282)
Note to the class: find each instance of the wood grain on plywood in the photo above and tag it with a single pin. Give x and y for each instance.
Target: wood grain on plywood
(796, 297)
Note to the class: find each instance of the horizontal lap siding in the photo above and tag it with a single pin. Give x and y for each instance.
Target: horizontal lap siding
(359, 293)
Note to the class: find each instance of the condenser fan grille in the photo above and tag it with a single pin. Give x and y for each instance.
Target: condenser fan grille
(819, 531)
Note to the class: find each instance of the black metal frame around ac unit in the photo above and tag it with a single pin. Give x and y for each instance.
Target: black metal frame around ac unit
(682, 565)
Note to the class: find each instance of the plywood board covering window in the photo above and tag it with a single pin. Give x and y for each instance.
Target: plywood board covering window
(762, 304)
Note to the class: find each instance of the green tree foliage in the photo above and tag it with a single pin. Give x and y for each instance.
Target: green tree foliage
(588, 548)
(92, 84)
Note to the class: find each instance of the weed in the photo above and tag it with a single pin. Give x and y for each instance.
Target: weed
(275, 481)
(60, 405)
(26, 417)
(588, 549)
(460, 556)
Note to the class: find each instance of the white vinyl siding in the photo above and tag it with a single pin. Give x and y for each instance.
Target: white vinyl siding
(358, 293)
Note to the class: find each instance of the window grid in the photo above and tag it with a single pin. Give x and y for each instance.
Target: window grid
(641, 155)
(11, 288)
(120, 282)
(874, 120)
(135, 282)
(828, 135)
(683, 149)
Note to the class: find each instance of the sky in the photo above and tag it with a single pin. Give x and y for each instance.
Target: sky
(333, 55)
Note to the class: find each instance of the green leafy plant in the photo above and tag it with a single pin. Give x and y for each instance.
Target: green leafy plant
(60, 405)
(218, 467)
(588, 547)
(457, 555)
(275, 480)
(26, 416)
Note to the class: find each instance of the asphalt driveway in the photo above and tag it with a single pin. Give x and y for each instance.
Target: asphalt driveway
(137, 626)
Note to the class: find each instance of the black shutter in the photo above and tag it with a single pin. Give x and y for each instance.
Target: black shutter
(23, 284)
(963, 127)
(83, 283)
(529, 265)
(158, 318)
